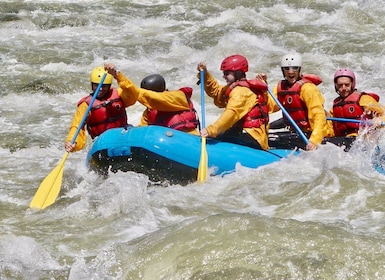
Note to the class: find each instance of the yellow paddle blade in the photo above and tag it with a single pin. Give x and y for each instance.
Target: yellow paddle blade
(203, 163)
(49, 189)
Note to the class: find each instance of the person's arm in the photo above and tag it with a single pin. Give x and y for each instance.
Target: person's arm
(241, 101)
(314, 102)
(127, 89)
(273, 107)
(212, 87)
(371, 106)
(81, 139)
(167, 101)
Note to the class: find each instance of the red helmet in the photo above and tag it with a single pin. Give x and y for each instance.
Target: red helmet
(235, 62)
(345, 72)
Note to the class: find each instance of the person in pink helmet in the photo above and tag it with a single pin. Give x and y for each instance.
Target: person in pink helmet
(246, 105)
(352, 104)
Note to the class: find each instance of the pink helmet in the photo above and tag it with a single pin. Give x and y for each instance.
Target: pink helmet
(235, 62)
(345, 72)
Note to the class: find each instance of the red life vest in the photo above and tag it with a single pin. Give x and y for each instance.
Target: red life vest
(105, 114)
(349, 108)
(259, 115)
(289, 97)
(177, 120)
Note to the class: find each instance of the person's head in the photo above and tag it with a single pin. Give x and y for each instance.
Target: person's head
(234, 68)
(95, 77)
(154, 82)
(291, 67)
(344, 81)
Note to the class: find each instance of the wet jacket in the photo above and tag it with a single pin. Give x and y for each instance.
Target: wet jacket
(128, 97)
(238, 103)
(356, 105)
(290, 98)
(312, 103)
(259, 115)
(179, 120)
(105, 114)
(167, 104)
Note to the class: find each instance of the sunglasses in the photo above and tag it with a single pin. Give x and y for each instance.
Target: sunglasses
(226, 73)
(295, 68)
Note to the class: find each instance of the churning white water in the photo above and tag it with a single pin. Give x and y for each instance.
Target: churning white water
(316, 216)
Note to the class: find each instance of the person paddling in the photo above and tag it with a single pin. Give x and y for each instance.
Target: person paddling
(302, 99)
(108, 111)
(247, 103)
(352, 104)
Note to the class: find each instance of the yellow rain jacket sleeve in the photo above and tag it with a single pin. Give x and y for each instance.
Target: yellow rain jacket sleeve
(241, 101)
(129, 96)
(273, 107)
(127, 90)
(215, 91)
(314, 102)
(167, 101)
(371, 105)
(81, 139)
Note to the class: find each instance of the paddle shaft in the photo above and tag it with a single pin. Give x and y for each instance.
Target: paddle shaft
(203, 162)
(89, 108)
(49, 189)
(292, 122)
(343, 120)
(202, 84)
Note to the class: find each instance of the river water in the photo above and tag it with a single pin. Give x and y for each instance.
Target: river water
(316, 216)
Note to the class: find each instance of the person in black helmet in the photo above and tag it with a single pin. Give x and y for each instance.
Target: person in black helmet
(154, 82)
(172, 109)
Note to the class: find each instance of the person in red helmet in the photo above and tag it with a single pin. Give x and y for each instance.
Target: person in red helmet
(352, 104)
(247, 103)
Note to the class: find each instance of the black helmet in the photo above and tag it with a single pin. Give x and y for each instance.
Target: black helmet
(154, 82)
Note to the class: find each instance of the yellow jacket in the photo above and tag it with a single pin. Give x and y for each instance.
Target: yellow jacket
(167, 101)
(126, 92)
(370, 105)
(240, 102)
(314, 102)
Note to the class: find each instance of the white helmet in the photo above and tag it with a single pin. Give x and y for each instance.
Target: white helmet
(291, 60)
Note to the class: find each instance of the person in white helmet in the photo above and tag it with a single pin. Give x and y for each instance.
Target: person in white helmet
(303, 101)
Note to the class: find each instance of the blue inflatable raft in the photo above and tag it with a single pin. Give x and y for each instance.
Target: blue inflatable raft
(167, 155)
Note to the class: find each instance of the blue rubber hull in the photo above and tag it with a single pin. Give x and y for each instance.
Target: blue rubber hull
(169, 155)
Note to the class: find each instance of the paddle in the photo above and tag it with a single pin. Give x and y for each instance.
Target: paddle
(343, 120)
(203, 162)
(353, 121)
(49, 189)
(292, 122)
